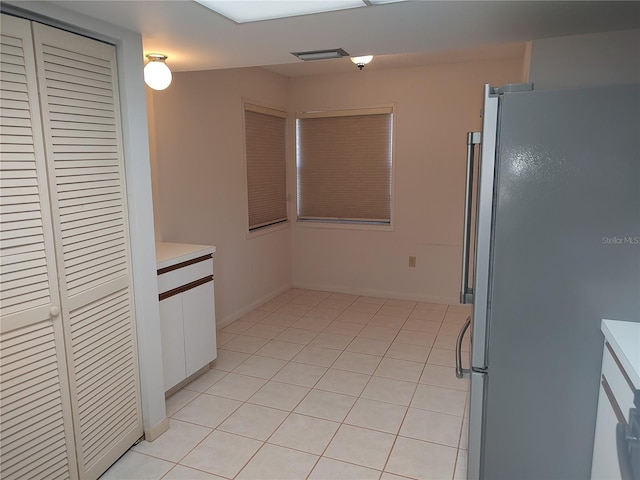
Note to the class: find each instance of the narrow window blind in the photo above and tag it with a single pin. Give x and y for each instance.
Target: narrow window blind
(344, 166)
(265, 139)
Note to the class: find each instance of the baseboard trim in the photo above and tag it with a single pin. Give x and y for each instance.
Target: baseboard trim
(332, 288)
(153, 432)
(187, 380)
(249, 308)
(379, 293)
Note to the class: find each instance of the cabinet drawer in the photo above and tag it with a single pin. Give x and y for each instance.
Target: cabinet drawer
(181, 276)
(622, 391)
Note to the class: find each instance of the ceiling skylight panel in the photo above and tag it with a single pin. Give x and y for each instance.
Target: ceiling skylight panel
(242, 11)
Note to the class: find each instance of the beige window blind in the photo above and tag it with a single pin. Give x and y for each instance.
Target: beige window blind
(345, 166)
(265, 140)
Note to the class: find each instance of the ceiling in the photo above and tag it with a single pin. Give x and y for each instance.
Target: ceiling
(405, 33)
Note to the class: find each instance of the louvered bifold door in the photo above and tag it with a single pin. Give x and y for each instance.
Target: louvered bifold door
(36, 434)
(79, 100)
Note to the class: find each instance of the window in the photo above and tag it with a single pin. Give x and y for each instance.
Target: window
(265, 150)
(344, 166)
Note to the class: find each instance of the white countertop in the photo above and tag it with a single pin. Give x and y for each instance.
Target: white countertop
(171, 253)
(624, 338)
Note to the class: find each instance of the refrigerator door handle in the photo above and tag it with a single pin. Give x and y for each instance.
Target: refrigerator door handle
(466, 292)
(459, 370)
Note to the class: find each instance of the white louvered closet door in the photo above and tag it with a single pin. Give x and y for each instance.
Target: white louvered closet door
(35, 414)
(79, 100)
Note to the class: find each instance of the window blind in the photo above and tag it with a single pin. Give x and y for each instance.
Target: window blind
(265, 140)
(345, 166)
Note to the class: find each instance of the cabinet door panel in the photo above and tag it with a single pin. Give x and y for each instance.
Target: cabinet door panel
(199, 326)
(605, 455)
(171, 327)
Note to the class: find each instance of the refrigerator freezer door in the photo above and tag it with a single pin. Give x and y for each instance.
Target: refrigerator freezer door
(564, 256)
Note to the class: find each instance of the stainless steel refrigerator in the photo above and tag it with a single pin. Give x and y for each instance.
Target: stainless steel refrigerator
(552, 223)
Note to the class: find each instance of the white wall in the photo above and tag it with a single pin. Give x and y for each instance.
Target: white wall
(200, 185)
(200, 182)
(136, 158)
(434, 108)
(609, 58)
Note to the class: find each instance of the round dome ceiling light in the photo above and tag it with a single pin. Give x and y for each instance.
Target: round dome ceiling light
(156, 72)
(362, 61)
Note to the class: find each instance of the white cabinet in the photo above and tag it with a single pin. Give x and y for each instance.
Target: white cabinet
(187, 309)
(618, 383)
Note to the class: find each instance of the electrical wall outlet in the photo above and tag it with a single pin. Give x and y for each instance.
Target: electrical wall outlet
(412, 261)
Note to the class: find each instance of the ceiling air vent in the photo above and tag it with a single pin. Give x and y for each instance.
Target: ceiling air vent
(321, 54)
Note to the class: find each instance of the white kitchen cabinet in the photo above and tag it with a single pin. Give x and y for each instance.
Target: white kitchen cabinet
(619, 381)
(187, 309)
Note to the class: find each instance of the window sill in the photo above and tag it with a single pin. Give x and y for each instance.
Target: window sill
(270, 229)
(344, 226)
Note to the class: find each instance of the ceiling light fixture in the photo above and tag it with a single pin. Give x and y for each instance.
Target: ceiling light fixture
(156, 73)
(362, 61)
(321, 54)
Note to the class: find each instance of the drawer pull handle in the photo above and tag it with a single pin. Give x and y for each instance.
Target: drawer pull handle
(177, 266)
(184, 288)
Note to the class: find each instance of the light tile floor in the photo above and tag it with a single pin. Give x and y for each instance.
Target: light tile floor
(320, 385)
